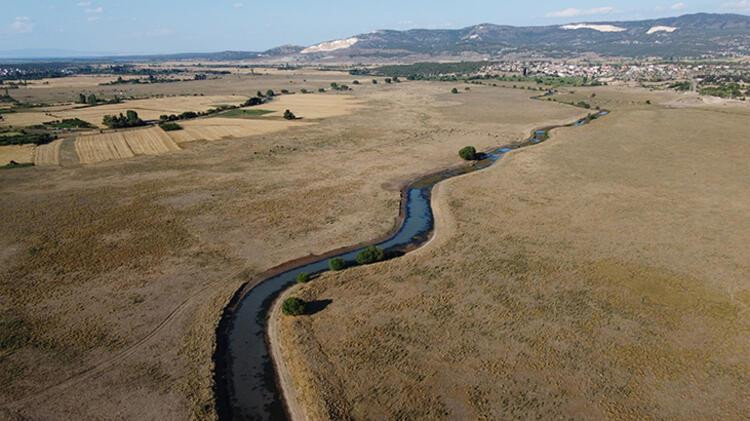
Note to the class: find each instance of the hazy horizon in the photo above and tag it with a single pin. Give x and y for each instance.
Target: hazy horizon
(140, 27)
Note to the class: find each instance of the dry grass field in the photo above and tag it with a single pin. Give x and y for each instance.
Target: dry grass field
(601, 275)
(216, 128)
(123, 144)
(114, 275)
(78, 82)
(313, 106)
(49, 154)
(18, 153)
(147, 109)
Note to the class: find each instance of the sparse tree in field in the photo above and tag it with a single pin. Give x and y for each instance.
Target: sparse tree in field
(321, 90)
(454, 90)
(285, 91)
(270, 93)
(289, 115)
(468, 153)
(370, 254)
(91, 100)
(334, 85)
(396, 79)
(388, 80)
(374, 81)
(356, 82)
(293, 306)
(82, 98)
(337, 264)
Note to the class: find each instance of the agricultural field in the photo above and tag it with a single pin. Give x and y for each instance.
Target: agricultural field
(600, 275)
(17, 153)
(147, 109)
(133, 260)
(123, 144)
(216, 128)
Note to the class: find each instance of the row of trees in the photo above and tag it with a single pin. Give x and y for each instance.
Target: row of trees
(294, 306)
(130, 119)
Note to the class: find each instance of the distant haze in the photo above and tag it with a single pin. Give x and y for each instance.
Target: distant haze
(67, 28)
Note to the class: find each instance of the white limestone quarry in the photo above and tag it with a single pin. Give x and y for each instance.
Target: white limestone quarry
(331, 46)
(656, 29)
(600, 28)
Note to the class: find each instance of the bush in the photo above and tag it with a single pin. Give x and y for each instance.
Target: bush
(289, 115)
(469, 153)
(374, 81)
(454, 90)
(170, 126)
(370, 254)
(285, 91)
(293, 306)
(337, 264)
(356, 82)
(321, 90)
(270, 93)
(303, 277)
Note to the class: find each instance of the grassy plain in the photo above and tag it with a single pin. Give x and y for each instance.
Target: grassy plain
(601, 275)
(114, 275)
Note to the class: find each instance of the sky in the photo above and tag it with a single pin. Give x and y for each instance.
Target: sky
(168, 26)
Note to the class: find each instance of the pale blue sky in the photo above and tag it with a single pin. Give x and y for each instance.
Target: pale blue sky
(160, 26)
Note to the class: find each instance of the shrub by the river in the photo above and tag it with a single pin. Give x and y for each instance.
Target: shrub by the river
(303, 277)
(370, 254)
(337, 264)
(469, 153)
(293, 306)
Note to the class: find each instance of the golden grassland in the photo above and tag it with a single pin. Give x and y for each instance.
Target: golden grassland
(601, 275)
(147, 109)
(17, 153)
(49, 154)
(216, 128)
(313, 106)
(114, 275)
(123, 144)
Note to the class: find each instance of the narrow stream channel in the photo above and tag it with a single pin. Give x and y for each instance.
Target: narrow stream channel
(246, 385)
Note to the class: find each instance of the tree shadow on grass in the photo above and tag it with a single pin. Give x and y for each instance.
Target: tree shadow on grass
(313, 307)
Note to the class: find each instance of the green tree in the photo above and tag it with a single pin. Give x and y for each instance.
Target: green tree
(289, 115)
(337, 264)
(303, 277)
(270, 93)
(293, 306)
(82, 98)
(468, 153)
(454, 90)
(374, 81)
(388, 80)
(370, 254)
(91, 100)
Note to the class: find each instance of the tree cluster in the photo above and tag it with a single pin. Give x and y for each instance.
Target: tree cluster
(130, 119)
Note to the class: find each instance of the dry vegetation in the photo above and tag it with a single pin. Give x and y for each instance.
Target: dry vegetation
(113, 275)
(147, 109)
(220, 128)
(602, 275)
(123, 144)
(17, 153)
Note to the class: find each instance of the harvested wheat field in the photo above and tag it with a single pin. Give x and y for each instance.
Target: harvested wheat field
(18, 153)
(78, 82)
(147, 109)
(216, 128)
(124, 144)
(313, 106)
(49, 154)
(604, 274)
(134, 261)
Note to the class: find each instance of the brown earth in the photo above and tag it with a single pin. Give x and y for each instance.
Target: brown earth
(601, 275)
(113, 275)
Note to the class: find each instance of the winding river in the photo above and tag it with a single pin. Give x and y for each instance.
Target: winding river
(246, 384)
